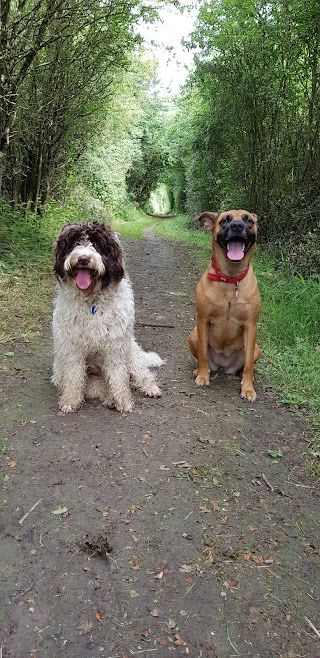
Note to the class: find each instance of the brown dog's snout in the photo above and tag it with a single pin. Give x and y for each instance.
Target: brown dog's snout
(237, 228)
(83, 260)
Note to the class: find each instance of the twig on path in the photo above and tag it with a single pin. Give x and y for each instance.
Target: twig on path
(315, 630)
(188, 515)
(296, 484)
(232, 645)
(133, 653)
(15, 598)
(40, 540)
(30, 510)
(277, 566)
(162, 326)
(263, 477)
(188, 590)
(1, 650)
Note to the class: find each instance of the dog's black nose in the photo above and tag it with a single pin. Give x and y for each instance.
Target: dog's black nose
(83, 260)
(238, 228)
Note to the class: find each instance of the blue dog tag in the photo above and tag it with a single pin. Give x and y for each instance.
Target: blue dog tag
(93, 310)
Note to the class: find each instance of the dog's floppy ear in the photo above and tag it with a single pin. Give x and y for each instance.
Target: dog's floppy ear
(110, 250)
(207, 219)
(255, 217)
(62, 246)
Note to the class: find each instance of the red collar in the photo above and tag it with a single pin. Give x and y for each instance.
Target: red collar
(223, 278)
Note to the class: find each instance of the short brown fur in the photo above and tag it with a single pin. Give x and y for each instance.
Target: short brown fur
(226, 329)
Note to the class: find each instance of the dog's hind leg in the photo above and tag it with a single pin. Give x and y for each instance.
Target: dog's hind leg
(139, 364)
(98, 388)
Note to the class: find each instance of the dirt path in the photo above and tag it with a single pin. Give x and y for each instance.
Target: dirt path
(214, 542)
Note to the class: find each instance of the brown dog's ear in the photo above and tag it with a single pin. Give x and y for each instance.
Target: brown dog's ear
(255, 217)
(207, 219)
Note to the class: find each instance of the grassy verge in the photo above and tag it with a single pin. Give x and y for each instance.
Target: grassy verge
(288, 327)
(26, 279)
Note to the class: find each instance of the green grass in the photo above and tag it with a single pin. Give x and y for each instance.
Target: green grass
(132, 222)
(26, 278)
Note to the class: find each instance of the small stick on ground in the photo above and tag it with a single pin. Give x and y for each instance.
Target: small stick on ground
(15, 598)
(232, 645)
(30, 510)
(162, 326)
(133, 653)
(188, 590)
(315, 630)
(267, 482)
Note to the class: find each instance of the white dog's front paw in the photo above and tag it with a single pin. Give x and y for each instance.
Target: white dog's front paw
(123, 404)
(68, 407)
(153, 391)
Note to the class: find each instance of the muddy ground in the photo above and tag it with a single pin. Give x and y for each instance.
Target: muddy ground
(181, 534)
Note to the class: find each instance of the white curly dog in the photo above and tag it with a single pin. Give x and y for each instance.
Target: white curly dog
(95, 351)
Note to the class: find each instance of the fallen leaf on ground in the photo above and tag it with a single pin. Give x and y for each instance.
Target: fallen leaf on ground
(171, 623)
(258, 559)
(159, 575)
(179, 641)
(144, 633)
(59, 510)
(247, 556)
(99, 616)
(186, 568)
(161, 641)
(133, 594)
(154, 613)
(12, 464)
(275, 453)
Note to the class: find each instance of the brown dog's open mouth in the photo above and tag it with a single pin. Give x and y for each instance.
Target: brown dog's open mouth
(235, 249)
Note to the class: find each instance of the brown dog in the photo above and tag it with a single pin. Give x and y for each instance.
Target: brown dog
(228, 301)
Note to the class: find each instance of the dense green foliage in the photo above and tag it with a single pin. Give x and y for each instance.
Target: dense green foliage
(150, 151)
(246, 133)
(60, 65)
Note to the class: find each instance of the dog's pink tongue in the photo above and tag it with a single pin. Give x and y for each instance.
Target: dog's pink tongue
(83, 279)
(235, 250)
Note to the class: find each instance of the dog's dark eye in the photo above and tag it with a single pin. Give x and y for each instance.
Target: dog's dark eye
(247, 219)
(225, 220)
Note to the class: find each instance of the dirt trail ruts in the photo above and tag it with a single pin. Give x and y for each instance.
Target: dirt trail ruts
(214, 541)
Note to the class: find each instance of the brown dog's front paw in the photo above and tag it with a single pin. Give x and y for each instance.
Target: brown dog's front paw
(248, 393)
(202, 380)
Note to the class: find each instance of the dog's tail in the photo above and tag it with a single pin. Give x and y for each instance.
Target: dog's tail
(153, 360)
(148, 359)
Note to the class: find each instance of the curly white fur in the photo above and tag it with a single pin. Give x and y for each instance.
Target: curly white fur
(95, 353)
